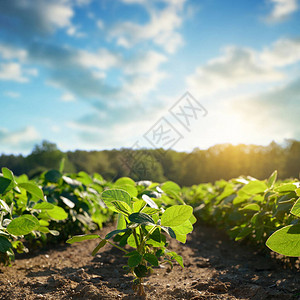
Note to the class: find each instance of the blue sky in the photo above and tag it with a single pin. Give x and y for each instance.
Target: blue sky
(102, 74)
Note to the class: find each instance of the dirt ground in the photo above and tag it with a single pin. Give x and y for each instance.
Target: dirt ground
(215, 268)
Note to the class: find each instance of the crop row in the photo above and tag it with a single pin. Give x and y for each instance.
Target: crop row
(260, 211)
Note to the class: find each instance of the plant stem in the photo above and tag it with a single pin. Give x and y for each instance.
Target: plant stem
(116, 246)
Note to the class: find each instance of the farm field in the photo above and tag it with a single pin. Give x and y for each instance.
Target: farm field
(222, 233)
(215, 268)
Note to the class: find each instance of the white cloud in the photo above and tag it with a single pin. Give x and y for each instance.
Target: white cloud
(11, 94)
(235, 67)
(282, 9)
(67, 97)
(161, 29)
(100, 24)
(282, 53)
(9, 52)
(19, 140)
(13, 72)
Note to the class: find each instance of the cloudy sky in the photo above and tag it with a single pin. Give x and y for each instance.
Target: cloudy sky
(102, 74)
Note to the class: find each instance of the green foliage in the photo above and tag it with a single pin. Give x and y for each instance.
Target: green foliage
(263, 212)
(143, 228)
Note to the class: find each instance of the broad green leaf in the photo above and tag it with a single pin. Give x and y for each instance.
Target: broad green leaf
(131, 241)
(23, 225)
(122, 207)
(298, 192)
(43, 206)
(139, 205)
(252, 206)
(149, 201)
(152, 259)
(80, 238)
(286, 187)
(121, 223)
(170, 187)
(254, 187)
(176, 257)
(272, 179)
(5, 185)
(7, 173)
(184, 228)
(134, 260)
(5, 244)
(286, 241)
(125, 180)
(131, 190)
(140, 271)
(193, 219)
(141, 218)
(84, 178)
(176, 215)
(99, 246)
(53, 176)
(33, 189)
(180, 237)
(114, 232)
(296, 208)
(150, 211)
(115, 194)
(57, 213)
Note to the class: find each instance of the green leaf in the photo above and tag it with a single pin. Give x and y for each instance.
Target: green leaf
(71, 181)
(33, 189)
(296, 208)
(5, 244)
(286, 187)
(152, 259)
(253, 207)
(121, 223)
(193, 219)
(170, 187)
(140, 271)
(7, 173)
(23, 225)
(176, 257)
(176, 215)
(141, 218)
(134, 260)
(99, 246)
(254, 187)
(297, 192)
(272, 179)
(131, 190)
(184, 228)
(115, 194)
(5, 185)
(125, 180)
(57, 213)
(43, 206)
(139, 205)
(53, 176)
(122, 207)
(286, 241)
(81, 238)
(114, 232)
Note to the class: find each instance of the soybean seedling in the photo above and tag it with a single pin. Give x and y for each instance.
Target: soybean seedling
(142, 226)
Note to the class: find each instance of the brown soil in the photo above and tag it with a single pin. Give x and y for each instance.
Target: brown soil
(215, 268)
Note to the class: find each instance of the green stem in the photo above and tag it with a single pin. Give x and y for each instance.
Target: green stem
(115, 245)
(136, 240)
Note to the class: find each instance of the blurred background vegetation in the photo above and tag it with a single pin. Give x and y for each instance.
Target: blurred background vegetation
(222, 161)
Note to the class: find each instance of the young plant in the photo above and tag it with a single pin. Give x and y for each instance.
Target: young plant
(142, 226)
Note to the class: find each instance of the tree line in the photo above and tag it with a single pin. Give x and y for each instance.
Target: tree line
(223, 161)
